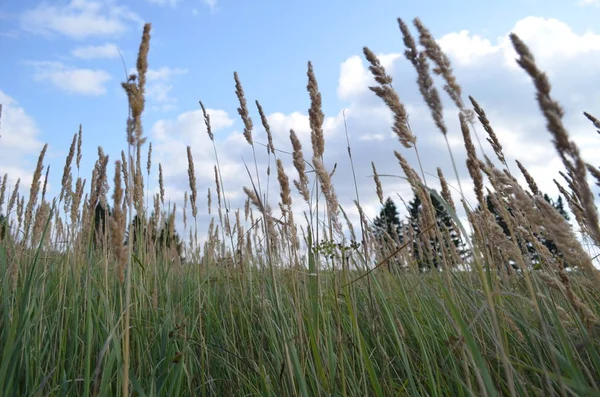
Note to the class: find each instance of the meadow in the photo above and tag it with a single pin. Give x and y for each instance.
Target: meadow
(102, 296)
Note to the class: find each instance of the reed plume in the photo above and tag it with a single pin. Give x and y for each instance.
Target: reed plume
(33, 192)
(567, 149)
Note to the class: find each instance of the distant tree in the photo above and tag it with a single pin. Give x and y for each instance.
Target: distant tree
(559, 205)
(101, 215)
(445, 223)
(533, 254)
(388, 221)
(388, 228)
(166, 237)
(136, 229)
(3, 227)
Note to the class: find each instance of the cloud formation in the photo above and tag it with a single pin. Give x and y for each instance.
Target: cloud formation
(105, 51)
(71, 79)
(79, 19)
(484, 67)
(159, 87)
(18, 141)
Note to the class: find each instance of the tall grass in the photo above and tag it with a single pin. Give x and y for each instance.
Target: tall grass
(102, 299)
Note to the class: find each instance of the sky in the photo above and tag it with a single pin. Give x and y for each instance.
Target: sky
(61, 67)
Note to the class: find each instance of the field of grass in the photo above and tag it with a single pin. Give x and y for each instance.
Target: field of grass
(277, 304)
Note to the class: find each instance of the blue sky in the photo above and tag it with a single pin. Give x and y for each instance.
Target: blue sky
(60, 68)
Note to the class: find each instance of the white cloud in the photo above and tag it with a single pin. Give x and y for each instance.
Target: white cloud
(211, 4)
(584, 3)
(354, 78)
(466, 49)
(70, 79)
(18, 141)
(164, 73)
(159, 87)
(105, 51)
(80, 19)
(550, 40)
(172, 3)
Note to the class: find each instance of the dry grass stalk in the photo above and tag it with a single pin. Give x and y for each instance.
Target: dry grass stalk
(530, 181)
(155, 217)
(424, 80)
(267, 127)
(284, 184)
(124, 170)
(427, 206)
(89, 205)
(161, 184)
(594, 120)
(328, 192)
(44, 187)
(243, 109)
(3, 191)
(20, 211)
(574, 205)
(391, 99)
(149, 161)
(192, 180)
(443, 66)
(100, 183)
(584, 310)
(316, 117)
(33, 193)
(246, 209)
(268, 219)
(445, 191)
(350, 226)
(67, 178)
(217, 186)
(13, 197)
(185, 204)
(377, 181)
(595, 172)
(138, 184)
(492, 139)
(207, 122)
(117, 223)
(76, 201)
(135, 92)
(472, 160)
(209, 201)
(315, 114)
(79, 142)
(239, 230)
(567, 149)
(41, 217)
(302, 183)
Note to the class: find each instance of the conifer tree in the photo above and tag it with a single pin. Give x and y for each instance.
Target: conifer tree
(424, 259)
(388, 230)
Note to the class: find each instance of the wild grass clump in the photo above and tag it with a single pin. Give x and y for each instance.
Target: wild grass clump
(106, 299)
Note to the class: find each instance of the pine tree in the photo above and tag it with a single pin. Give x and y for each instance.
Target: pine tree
(101, 215)
(3, 227)
(388, 230)
(388, 221)
(534, 255)
(444, 223)
(560, 207)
